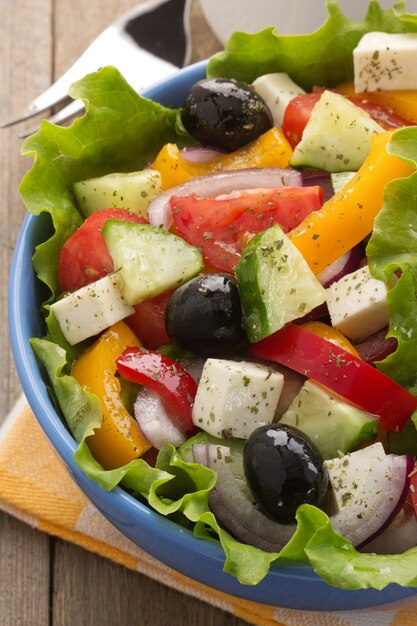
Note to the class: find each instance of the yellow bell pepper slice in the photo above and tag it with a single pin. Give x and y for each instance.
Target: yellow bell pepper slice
(331, 334)
(119, 439)
(402, 102)
(270, 150)
(348, 217)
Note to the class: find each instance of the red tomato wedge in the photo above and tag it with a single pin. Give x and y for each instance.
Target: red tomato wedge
(299, 110)
(221, 226)
(296, 116)
(148, 321)
(331, 366)
(84, 256)
(166, 377)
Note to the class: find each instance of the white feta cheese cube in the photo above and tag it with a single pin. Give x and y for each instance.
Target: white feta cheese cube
(357, 304)
(91, 309)
(233, 398)
(277, 89)
(384, 61)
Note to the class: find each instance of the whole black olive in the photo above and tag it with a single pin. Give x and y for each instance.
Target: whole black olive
(225, 114)
(284, 469)
(204, 315)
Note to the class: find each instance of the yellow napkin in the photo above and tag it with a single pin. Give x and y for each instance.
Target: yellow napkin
(36, 488)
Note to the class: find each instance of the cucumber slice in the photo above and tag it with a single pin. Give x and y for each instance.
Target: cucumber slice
(150, 260)
(132, 191)
(332, 424)
(340, 179)
(276, 284)
(337, 137)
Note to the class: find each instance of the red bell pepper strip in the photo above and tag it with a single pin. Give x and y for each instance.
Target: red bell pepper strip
(331, 366)
(173, 383)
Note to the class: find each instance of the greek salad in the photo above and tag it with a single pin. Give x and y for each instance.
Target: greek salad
(231, 333)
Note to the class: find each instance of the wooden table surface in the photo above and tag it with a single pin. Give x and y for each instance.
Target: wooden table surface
(45, 581)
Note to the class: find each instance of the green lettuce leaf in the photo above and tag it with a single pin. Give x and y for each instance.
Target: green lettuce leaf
(120, 132)
(79, 407)
(393, 247)
(250, 565)
(320, 58)
(338, 563)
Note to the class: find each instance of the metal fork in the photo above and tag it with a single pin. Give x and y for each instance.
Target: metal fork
(146, 44)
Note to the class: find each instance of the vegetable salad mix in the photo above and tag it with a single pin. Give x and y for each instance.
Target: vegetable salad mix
(235, 343)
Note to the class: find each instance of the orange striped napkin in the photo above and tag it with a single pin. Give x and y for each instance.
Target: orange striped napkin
(36, 488)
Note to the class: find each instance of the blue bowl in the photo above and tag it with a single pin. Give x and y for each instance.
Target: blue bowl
(289, 586)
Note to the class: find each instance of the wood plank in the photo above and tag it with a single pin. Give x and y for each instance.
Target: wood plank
(24, 579)
(25, 52)
(90, 591)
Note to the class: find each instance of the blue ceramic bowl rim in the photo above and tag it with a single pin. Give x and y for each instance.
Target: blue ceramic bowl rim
(162, 529)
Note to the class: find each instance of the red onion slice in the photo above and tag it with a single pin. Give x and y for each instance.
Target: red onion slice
(159, 210)
(313, 177)
(376, 347)
(234, 507)
(154, 421)
(194, 365)
(346, 264)
(378, 502)
(201, 155)
(400, 536)
(293, 382)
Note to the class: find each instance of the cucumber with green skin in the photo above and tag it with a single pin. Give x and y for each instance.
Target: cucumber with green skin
(132, 191)
(337, 137)
(149, 260)
(276, 284)
(330, 422)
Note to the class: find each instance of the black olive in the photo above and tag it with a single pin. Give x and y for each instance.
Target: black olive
(284, 469)
(225, 114)
(205, 315)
